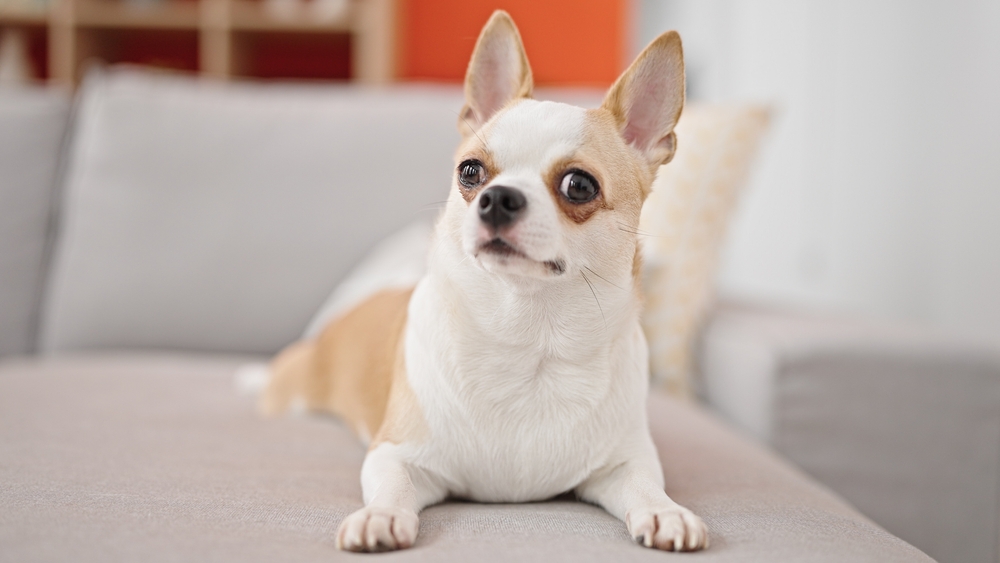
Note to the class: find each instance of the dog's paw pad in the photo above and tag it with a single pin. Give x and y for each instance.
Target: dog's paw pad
(378, 529)
(672, 528)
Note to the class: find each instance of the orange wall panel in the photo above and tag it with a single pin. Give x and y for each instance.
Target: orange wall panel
(569, 42)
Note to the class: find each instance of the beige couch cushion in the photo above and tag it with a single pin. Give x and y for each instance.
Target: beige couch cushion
(158, 458)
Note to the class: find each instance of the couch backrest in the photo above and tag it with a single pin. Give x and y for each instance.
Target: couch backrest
(32, 126)
(217, 217)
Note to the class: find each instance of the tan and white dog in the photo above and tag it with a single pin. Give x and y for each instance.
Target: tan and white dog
(501, 377)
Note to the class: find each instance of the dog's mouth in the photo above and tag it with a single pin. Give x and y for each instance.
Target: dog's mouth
(500, 247)
(503, 249)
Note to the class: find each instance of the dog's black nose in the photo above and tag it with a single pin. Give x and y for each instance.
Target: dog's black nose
(500, 206)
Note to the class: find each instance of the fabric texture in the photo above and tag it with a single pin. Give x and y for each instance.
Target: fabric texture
(157, 458)
(903, 422)
(32, 126)
(227, 212)
(682, 228)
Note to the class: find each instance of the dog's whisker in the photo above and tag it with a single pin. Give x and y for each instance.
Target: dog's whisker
(636, 231)
(624, 224)
(605, 279)
(639, 233)
(596, 300)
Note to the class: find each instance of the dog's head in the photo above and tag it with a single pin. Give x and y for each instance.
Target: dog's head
(543, 189)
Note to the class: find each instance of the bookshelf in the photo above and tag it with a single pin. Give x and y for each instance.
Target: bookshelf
(218, 38)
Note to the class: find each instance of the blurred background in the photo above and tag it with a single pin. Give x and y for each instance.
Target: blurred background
(858, 330)
(879, 187)
(877, 190)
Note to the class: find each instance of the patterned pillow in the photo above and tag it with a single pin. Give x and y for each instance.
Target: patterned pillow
(683, 225)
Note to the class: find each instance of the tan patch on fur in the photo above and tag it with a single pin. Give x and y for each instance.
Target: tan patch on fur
(576, 212)
(636, 169)
(632, 179)
(404, 419)
(354, 369)
(291, 372)
(619, 169)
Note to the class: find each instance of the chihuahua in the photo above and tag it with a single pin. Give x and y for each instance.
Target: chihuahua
(501, 377)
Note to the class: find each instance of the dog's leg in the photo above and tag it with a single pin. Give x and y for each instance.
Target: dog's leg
(394, 494)
(633, 491)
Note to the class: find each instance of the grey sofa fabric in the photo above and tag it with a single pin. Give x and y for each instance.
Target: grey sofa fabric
(148, 458)
(904, 423)
(32, 126)
(228, 212)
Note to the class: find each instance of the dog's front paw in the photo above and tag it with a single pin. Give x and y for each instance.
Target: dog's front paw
(672, 528)
(378, 529)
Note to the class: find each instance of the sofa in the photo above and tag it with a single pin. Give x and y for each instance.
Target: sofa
(157, 232)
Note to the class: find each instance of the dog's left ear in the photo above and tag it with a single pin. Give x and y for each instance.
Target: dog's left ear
(497, 74)
(648, 98)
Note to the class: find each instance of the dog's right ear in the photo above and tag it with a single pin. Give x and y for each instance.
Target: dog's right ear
(647, 99)
(497, 74)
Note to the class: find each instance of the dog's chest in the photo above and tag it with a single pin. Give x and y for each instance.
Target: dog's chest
(511, 423)
(527, 404)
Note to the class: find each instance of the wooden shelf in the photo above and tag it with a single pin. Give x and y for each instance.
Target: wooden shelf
(23, 16)
(252, 16)
(80, 30)
(105, 14)
(242, 16)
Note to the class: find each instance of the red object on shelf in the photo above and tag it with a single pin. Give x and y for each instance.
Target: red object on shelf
(176, 50)
(569, 42)
(38, 51)
(286, 55)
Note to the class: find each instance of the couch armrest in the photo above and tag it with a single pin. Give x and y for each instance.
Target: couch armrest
(903, 422)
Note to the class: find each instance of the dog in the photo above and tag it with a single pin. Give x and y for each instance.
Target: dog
(501, 377)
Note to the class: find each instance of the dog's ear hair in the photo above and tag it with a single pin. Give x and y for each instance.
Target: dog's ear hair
(498, 73)
(647, 99)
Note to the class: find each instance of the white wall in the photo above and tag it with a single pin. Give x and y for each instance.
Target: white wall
(879, 188)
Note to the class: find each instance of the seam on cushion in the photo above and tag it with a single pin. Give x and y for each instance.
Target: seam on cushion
(55, 214)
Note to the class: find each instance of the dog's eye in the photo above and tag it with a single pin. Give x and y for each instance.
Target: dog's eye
(579, 187)
(471, 173)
